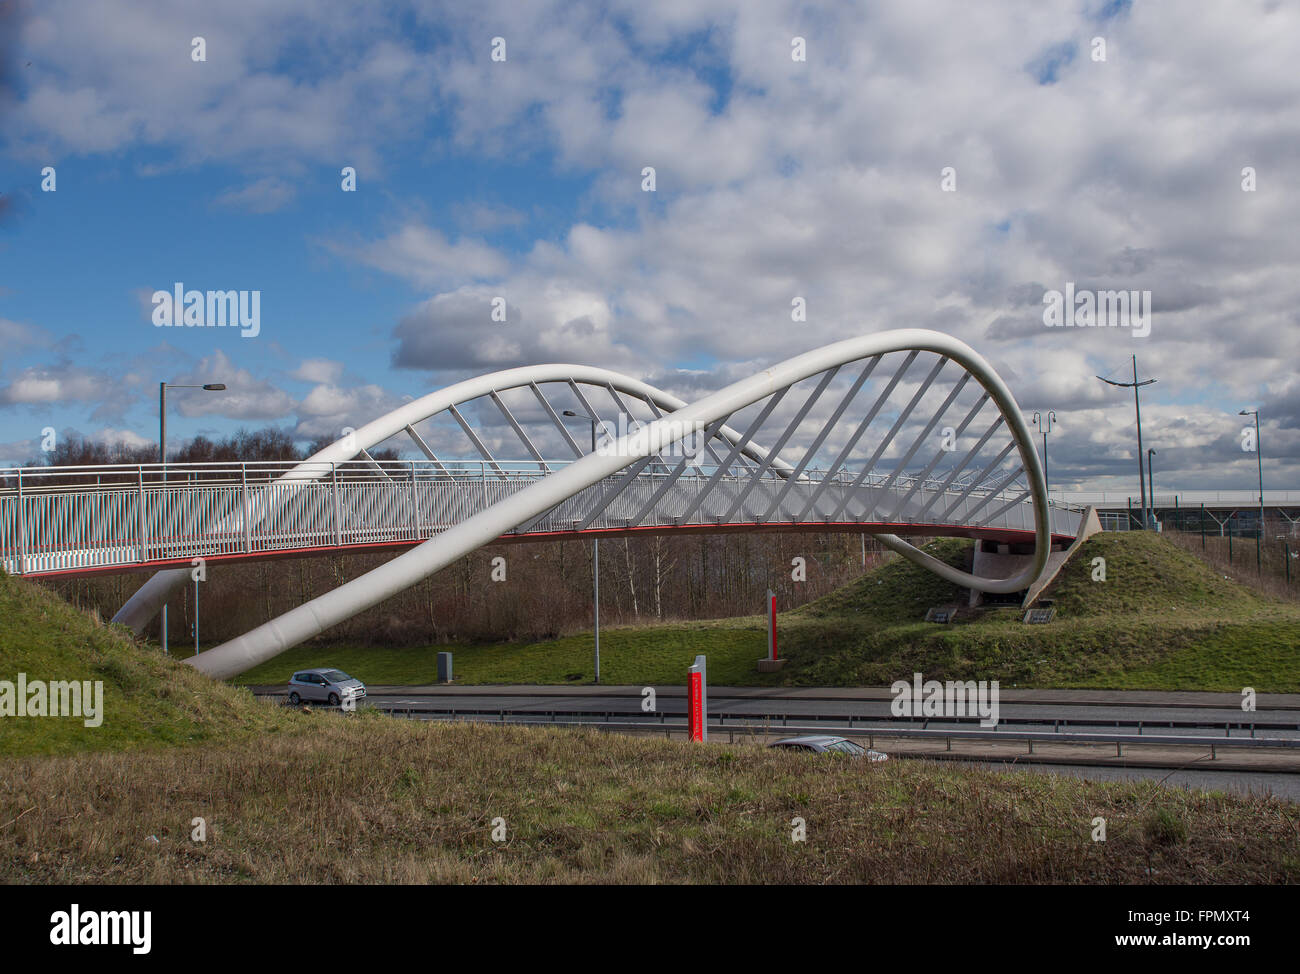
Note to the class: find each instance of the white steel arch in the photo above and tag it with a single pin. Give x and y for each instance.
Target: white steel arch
(631, 452)
(148, 600)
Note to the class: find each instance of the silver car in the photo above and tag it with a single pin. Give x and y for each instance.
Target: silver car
(822, 744)
(325, 686)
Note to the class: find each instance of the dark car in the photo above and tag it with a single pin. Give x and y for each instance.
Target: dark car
(822, 744)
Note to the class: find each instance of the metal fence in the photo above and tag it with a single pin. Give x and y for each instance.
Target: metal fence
(65, 519)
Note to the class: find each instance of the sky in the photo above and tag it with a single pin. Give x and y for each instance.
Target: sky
(924, 164)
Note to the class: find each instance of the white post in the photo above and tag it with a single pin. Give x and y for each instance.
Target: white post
(595, 580)
(415, 510)
(22, 527)
(248, 528)
(338, 516)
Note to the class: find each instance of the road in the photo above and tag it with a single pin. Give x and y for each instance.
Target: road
(758, 715)
(1286, 785)
(1276, 715)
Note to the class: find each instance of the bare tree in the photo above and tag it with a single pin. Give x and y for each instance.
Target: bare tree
(662, 568)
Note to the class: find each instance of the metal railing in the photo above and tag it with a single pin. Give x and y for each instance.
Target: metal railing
(68, 519)
(862, 727)
(1121, 500)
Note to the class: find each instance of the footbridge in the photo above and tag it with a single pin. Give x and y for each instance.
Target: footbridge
(898, 433)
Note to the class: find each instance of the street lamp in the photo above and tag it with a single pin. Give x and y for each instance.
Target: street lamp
(1137, 406)
(162, 460)
(1151, 484)
(595, 559)
(1259, 463)
(1051, 420)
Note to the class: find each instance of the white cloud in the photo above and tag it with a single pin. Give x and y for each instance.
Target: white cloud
(265, 195)
(328, 409)
(455, 330)
(37, 386)
(320, 370)
(776, 179)
(15, 335)
(480, 217)
(424, 256)
(245, 396)
(111, 436)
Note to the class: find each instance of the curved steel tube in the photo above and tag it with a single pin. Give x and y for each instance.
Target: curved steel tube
(149, 599)
(313, 617)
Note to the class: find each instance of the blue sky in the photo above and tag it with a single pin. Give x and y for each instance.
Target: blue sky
(78, 259)
(775, 178)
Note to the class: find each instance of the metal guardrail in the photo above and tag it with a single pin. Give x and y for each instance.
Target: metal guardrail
(1120, 499)
(858, 725)
(59, 519)
(851, 721)
(608, 721)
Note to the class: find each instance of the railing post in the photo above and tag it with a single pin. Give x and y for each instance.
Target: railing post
(248, 527)
(144, 554)
(482, 467)
(338, 516)
(22, 527)
(415, 510)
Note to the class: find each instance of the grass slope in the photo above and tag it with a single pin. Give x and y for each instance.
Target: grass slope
(582, 807)
(286, 799)
(1162, 620)
(148, 699)
(646, 655)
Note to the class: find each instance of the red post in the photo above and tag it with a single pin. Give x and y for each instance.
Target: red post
(697, 708)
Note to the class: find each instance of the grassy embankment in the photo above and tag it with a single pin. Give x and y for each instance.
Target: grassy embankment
(376, 799)
(1162, 620)
(148, 699)
(324, 797)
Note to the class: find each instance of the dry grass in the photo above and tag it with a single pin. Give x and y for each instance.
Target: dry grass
(369, 799)
(1238, 562)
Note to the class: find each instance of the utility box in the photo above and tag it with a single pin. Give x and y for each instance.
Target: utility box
(444, 667)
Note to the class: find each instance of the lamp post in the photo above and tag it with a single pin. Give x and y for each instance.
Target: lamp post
(1259, 464)
(1151, 483)
(1051, 420)
(162, 460)
(1137, 406)
(595, 560)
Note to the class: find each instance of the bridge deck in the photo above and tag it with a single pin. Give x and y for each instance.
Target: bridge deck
(48, 527)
